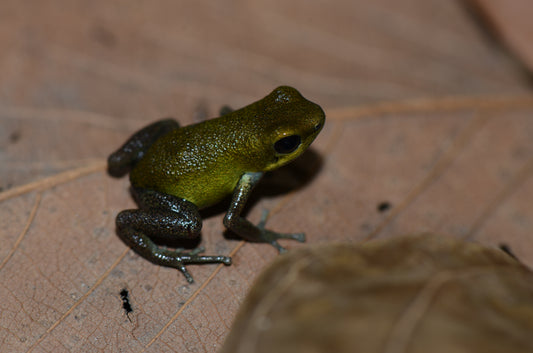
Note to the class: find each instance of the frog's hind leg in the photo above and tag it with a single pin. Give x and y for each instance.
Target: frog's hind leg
(163, 216)
(122, 160)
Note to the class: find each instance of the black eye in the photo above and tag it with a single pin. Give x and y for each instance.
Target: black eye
(318, 127)
(287, 144)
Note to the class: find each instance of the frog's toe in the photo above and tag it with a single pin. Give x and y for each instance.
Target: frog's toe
(273, 237)
(263, 220)
(226, 260)
(186, 273)
(280, 248)
(192, 257)
(300, 237)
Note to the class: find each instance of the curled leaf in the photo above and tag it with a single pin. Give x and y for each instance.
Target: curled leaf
(421, 293)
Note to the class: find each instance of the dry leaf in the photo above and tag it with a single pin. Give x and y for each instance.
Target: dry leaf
(63, 267)
(511, 21)
(424, 293)
(79, 77)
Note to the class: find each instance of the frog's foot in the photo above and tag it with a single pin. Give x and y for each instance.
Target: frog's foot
(135, 226)
(272, 237)
(179, 258)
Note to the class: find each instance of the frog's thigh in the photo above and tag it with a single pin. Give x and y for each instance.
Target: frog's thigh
(154, 200)
(159, 224)
(123, 159)
(162, 215)
(138, 227)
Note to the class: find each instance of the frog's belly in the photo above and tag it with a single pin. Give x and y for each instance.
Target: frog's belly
(203, 192)
(202, 189)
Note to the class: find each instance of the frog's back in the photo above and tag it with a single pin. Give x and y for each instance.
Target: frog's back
(201, 163)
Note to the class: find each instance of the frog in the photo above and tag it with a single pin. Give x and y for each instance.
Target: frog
(177, 171)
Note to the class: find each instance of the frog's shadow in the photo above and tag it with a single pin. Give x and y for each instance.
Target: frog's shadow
(293, 176)
(288, 178)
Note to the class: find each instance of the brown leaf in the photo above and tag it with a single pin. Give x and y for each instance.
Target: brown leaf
(79, 77)
(424, 293)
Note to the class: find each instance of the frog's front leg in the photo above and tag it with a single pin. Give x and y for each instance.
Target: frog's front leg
(163, 216)
(123, 159)
(234, 222)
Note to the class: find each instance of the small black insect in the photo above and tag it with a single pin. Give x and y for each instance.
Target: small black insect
(384, 206)
(124, 295)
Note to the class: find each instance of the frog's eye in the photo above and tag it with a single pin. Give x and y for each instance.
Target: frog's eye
(287, 144)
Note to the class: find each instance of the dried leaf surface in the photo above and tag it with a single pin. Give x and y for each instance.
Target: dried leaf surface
(511, 22)
(424, 293)
(79, 77)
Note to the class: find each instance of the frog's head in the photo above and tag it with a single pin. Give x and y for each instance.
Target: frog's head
(289, 123)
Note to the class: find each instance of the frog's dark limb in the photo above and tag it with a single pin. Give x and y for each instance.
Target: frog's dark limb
(234, 222)
(122, 160)
(163, 216)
